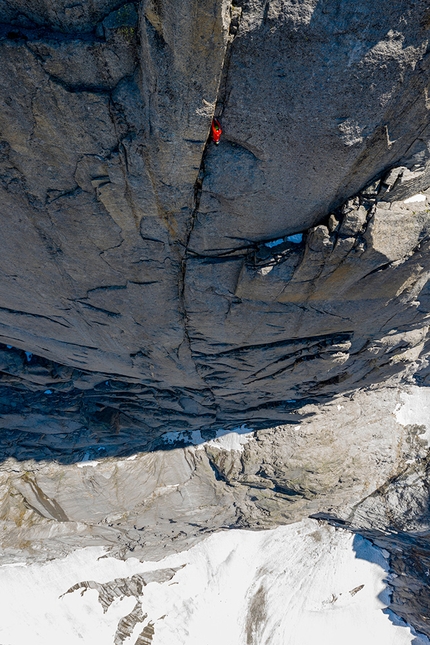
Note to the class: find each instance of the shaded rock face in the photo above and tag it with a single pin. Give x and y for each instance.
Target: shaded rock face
(395, 517)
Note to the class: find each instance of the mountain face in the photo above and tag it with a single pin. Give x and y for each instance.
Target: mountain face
(156, 287)
(135, 251)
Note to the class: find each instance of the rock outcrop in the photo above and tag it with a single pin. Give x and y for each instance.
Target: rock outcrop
(148, 504)
(135, 251)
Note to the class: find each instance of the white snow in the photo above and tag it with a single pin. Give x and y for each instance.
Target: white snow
(173, 437)
(419, 197)
(226, 439)
(84, 463)
(415, 409)
(230, 439)
(302, 584)
(265, 270)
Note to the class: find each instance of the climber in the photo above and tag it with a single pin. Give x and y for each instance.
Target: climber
(216, 131)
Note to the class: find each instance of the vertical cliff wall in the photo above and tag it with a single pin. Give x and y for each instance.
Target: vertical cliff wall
(136, 251)
(155, 287)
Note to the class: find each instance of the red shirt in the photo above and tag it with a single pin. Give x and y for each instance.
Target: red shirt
(216, 130)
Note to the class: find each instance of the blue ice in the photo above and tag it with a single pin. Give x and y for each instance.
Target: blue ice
(295, 239)
(274, 243)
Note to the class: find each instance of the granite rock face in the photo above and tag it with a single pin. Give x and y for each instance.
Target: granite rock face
(135, 251)
(155, 287)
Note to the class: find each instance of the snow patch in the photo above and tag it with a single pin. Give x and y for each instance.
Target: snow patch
(419, 197)
(230, 439)
(87, 461)
(265, 270)
(415, 409)
(225, 439)
(192, 438)
(84, 464)
(299, 584)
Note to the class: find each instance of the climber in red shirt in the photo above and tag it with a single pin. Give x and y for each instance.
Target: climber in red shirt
(216, 131)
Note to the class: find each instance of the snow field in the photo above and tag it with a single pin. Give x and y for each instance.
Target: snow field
(302, 584)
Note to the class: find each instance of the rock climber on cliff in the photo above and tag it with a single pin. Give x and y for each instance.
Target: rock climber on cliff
(216, 131)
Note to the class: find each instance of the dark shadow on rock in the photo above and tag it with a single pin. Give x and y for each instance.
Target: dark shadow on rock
(419, 639)
(366, 550)
(407, 563)
(55, 412)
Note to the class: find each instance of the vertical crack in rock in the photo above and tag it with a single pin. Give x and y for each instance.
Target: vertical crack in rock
(235, 15)
(235, 18)
(182, 278)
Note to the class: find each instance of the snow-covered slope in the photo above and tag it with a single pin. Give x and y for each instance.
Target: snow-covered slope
(301, 584)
